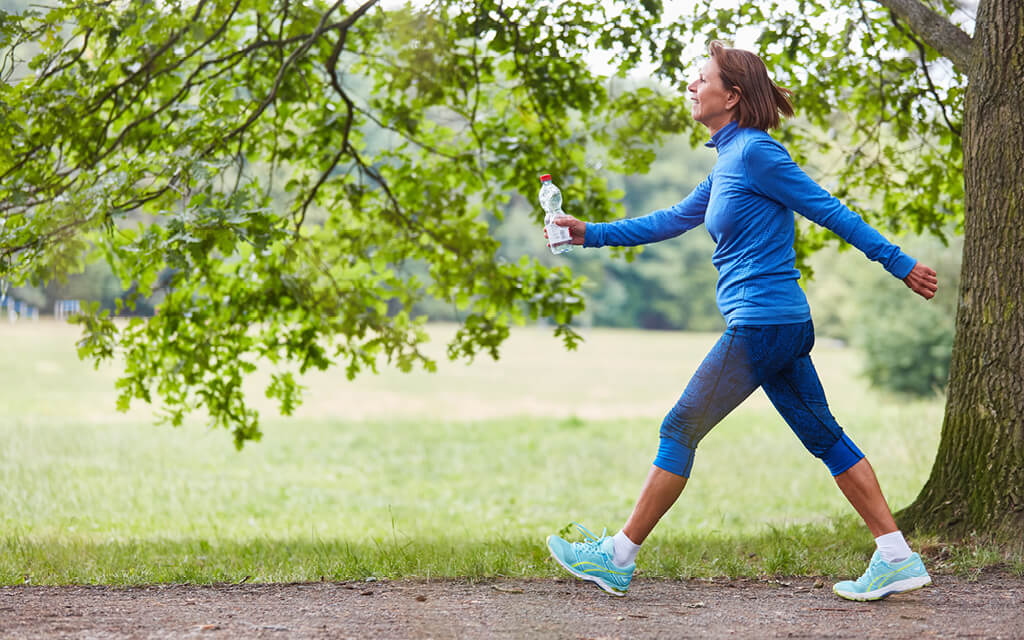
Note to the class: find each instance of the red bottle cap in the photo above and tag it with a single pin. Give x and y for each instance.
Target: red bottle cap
(545, 177)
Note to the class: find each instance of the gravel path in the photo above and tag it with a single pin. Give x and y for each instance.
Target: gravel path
(992, 606)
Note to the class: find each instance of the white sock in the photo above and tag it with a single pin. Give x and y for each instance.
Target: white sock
(893, 547)
(625, 550)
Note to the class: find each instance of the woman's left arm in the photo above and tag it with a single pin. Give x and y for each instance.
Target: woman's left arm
(773, 174)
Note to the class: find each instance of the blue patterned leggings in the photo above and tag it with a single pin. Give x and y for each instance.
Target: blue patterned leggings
(775, 357)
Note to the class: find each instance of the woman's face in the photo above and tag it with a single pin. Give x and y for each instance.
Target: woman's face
(713, 104)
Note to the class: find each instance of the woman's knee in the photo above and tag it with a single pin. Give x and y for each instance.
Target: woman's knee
(681, 430)
(683, 423)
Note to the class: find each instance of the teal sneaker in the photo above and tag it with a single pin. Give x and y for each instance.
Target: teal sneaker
(883, 579)
(592, 560)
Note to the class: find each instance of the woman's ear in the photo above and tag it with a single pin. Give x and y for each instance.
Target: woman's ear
(733, 98)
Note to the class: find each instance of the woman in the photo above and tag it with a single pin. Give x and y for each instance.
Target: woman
(747, 203)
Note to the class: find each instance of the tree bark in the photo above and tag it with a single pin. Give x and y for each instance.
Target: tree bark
(976, 485)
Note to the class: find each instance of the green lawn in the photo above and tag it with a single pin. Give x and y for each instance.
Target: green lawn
(462, 472)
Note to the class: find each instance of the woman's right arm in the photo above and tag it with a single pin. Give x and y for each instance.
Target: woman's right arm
(654, 227)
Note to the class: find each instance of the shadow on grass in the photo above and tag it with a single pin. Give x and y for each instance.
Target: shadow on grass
(840, 548)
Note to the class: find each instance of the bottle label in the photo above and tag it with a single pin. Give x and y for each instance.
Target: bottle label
(557, 234)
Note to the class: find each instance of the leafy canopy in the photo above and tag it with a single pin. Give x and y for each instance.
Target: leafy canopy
(151, 134)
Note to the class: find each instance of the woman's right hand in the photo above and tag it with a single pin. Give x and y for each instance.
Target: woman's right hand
(577, 228)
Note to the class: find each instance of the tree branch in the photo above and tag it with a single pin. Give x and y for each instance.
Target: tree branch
(75, 58)
(321, 28)
(924, 67)
(151, 59)
(941, 34)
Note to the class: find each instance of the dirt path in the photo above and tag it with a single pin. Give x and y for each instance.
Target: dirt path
(990, 607)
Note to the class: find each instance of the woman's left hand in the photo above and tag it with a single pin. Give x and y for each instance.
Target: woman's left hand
(923, 280)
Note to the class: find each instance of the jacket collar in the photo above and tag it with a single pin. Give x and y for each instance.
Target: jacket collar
(723, 135)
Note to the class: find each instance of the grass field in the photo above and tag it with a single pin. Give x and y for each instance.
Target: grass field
(462, 472)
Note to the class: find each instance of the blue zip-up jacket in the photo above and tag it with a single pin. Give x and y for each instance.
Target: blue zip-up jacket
(747, 204)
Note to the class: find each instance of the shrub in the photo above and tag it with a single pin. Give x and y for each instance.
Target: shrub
(907, 347)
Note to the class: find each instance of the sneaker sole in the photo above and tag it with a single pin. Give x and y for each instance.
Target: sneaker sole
(583, 576)
(900, 586)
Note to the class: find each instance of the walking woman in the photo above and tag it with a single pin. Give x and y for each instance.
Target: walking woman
(747, 205)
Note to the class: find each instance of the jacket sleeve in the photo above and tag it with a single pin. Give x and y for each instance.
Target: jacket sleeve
(654, 227)
(774, 175)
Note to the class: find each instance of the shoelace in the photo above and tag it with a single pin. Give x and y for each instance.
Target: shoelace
(590, 541)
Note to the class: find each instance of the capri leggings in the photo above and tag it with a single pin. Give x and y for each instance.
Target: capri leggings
(775, 357)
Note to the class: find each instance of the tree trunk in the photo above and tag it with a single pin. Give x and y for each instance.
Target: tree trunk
(977, 481)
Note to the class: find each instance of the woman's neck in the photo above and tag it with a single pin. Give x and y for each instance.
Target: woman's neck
(715, 127)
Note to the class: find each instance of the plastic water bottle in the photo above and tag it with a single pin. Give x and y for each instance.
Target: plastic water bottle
(559, 238)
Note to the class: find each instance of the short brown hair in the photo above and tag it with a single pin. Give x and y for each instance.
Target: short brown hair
(761, 100)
